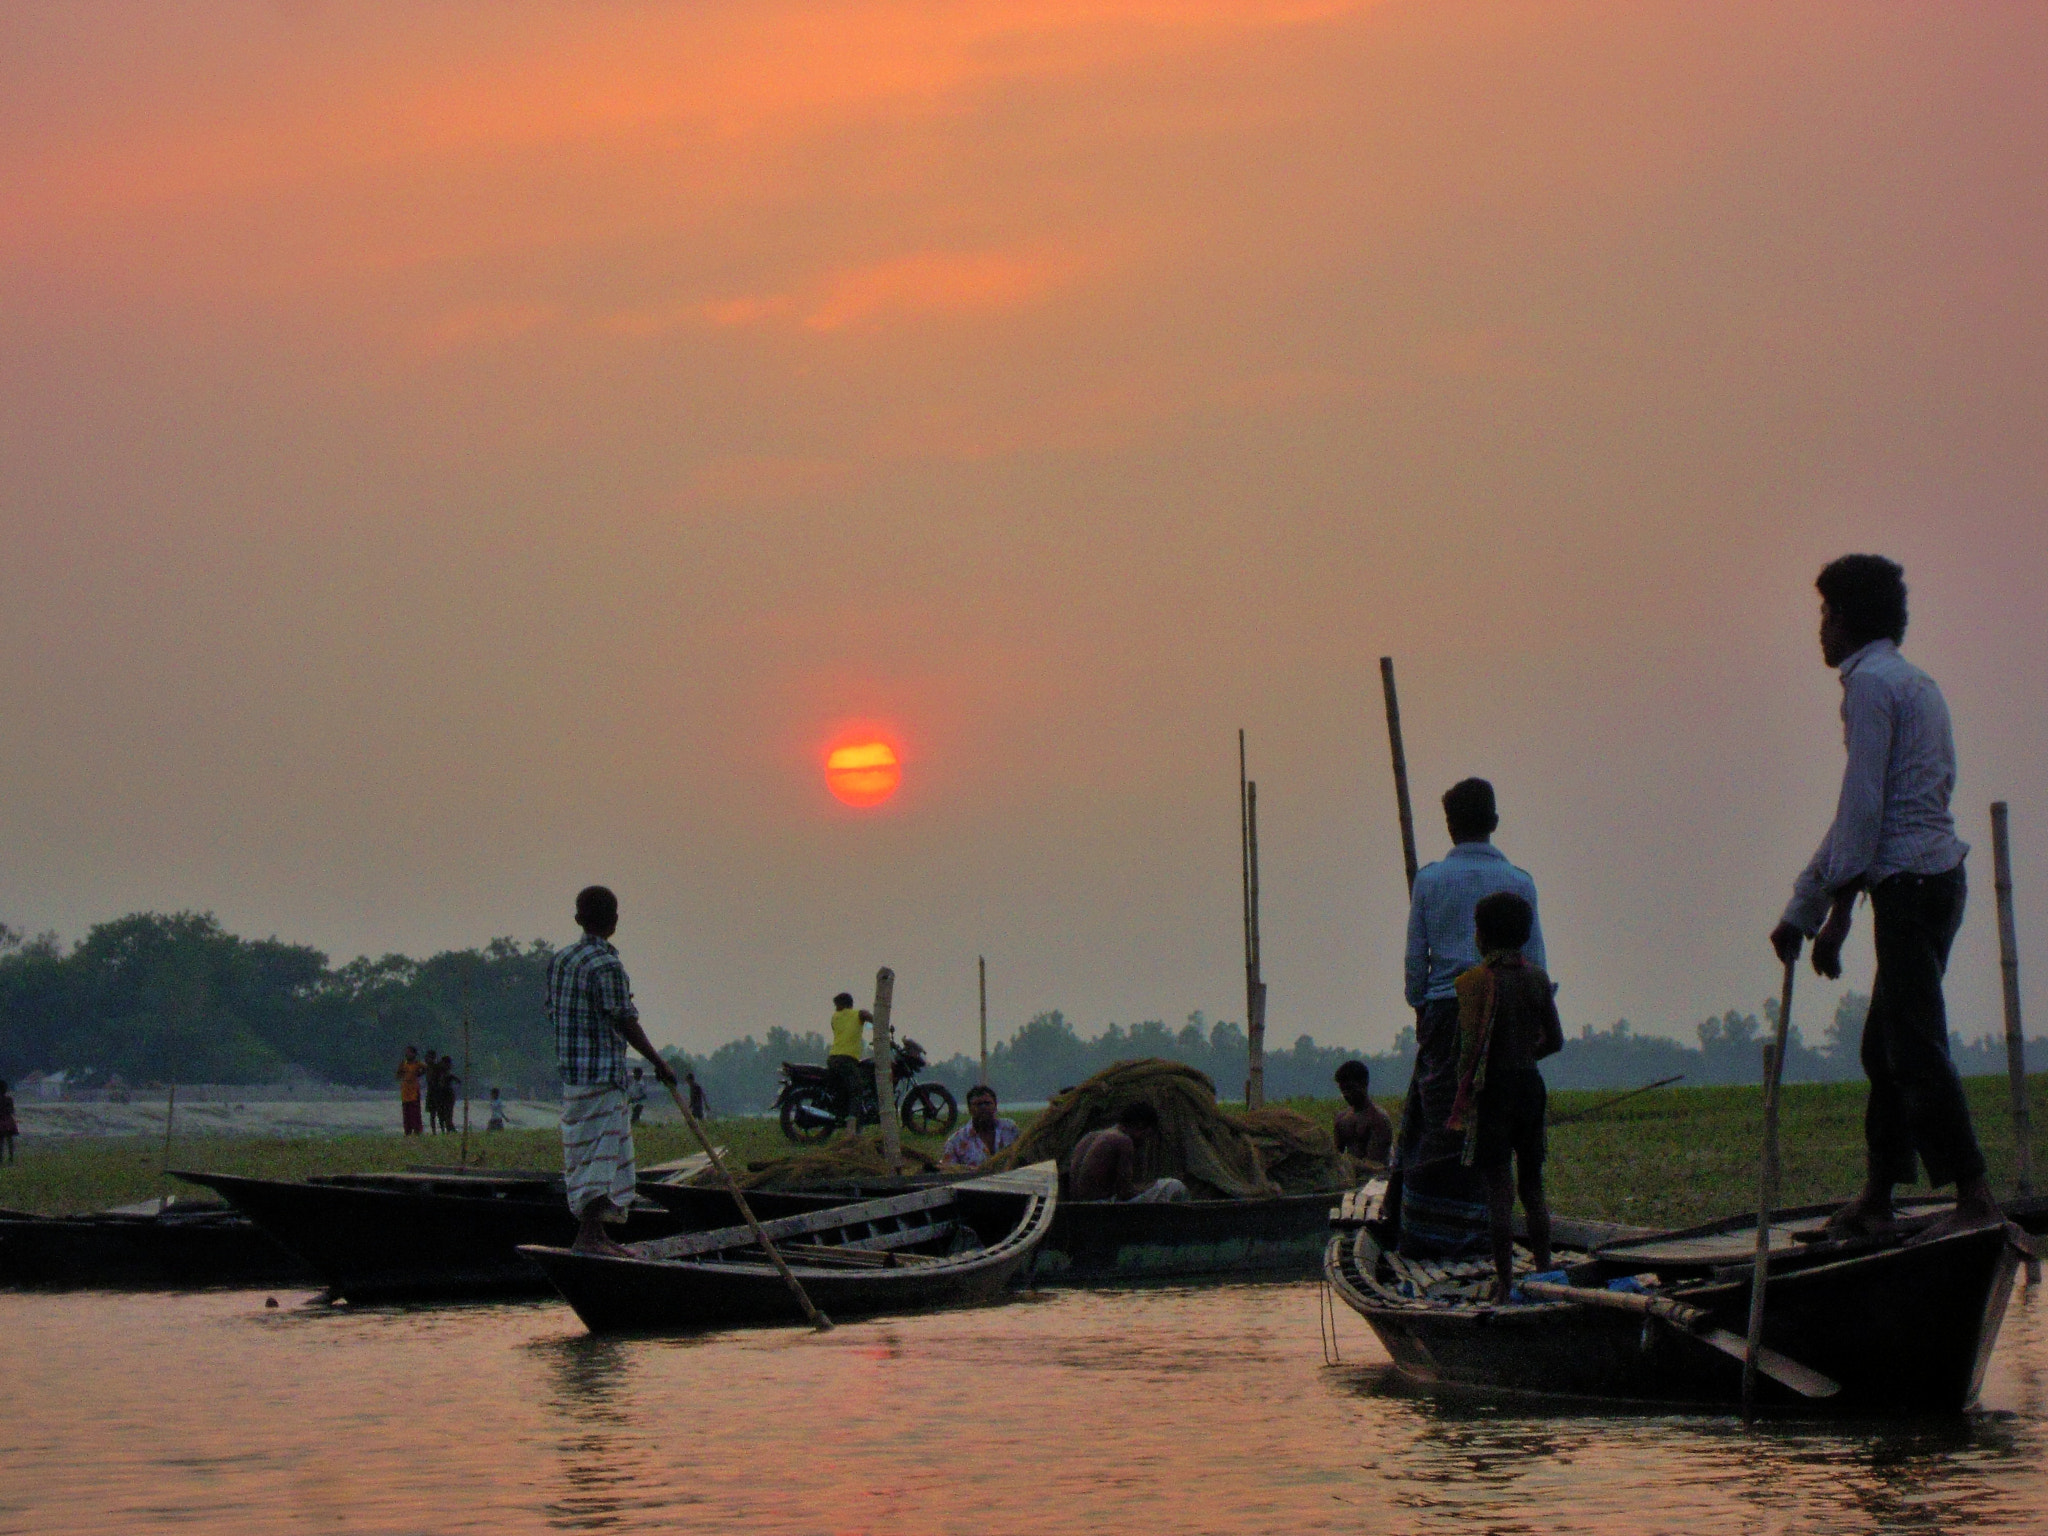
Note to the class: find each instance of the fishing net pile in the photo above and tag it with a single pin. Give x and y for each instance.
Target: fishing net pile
(837, 1162)
(1217, 1154)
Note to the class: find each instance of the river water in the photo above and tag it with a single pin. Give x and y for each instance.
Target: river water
(1159, 1410)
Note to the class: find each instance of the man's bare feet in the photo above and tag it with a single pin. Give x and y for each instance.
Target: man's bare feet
(1868, 1215)
(1975, 1207)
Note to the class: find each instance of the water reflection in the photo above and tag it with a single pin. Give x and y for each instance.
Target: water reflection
(1182, 1411)
(1496, 1464)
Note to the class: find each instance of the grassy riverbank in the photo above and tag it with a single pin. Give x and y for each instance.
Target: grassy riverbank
(1671, 1156)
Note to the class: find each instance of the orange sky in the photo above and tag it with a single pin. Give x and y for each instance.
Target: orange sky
(452, 454)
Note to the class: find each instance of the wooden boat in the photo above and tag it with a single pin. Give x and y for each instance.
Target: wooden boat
(1869, 1325)
(1108, 1242)
(949, 1245)
(379, 1237)
(181, 1244)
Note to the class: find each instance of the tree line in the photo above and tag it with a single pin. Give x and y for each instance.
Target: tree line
(176, 998)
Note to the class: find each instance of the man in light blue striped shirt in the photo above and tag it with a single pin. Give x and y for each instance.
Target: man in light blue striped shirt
(1442, 942)
(1894, 838)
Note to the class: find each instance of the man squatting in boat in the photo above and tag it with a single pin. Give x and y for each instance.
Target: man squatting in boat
(1362, 1128)
(590, 1003)
(1507, 1022)
(1894, 839)
(1104, 1163)
(1443, 943)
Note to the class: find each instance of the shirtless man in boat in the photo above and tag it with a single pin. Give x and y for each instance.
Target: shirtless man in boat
(1363, 1129)
(1104, 1164)
(1893, 839)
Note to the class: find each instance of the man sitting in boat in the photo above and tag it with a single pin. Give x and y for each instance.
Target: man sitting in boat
(590, 1003)
(983, 1136)
(1507, 1022)
(1104, 1164)
(1363, 1129)
(1442, 1203)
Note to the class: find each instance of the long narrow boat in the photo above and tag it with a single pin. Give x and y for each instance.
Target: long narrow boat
(950, 1245)
(1109, 1242)
(383, 1237)
(184, 1244)
(1872, 1326)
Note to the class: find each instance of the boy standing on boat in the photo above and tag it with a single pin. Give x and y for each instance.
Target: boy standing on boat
(1892, 837)
(1507, 1022)
(590, 1003)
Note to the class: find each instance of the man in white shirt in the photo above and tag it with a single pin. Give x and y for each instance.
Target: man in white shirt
(1892, 837)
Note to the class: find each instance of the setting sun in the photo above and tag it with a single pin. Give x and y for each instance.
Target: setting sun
(864, 774)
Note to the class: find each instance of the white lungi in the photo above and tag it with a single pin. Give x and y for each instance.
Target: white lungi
(1160, 1191)
(597, 1146)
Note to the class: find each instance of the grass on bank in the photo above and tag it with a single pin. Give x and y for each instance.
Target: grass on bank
(1667, 1158)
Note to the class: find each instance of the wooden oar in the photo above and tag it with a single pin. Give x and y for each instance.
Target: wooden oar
(818, 1320)
(1694, 1322)
(1767, 1189)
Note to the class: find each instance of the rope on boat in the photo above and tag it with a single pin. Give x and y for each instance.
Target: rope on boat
(1326, 1321)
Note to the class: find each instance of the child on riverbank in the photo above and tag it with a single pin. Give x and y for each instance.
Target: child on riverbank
(1507, 1022)
(9, 1128)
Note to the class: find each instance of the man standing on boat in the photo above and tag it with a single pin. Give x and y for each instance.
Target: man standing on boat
(1893, 838)
(590, 1003)
(1442, 943)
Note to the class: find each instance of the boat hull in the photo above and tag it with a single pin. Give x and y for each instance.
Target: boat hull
(182, 1250)
(651, 1294)
(439, 1239)
(1903, 1329)
(1102, 1242)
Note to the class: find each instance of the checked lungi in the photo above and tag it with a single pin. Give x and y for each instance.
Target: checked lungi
(597, 1146)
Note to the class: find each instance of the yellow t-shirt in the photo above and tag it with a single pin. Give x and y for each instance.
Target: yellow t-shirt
(409, 1073)
(846, 1033)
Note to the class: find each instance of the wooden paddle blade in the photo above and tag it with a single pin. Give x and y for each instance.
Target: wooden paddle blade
(1782, 1369)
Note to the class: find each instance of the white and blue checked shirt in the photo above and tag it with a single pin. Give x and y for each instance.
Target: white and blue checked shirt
(1442, 938)
(587, 991)
(1892, 817)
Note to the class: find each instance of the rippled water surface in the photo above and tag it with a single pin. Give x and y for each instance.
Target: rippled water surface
(1182, 1411)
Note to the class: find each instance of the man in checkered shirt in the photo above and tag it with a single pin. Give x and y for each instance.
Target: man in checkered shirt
(590, 1003)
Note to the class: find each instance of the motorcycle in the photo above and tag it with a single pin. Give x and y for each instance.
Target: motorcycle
(810, 1112)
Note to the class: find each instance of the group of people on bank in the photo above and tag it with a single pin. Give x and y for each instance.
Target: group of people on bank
(1485, 1007)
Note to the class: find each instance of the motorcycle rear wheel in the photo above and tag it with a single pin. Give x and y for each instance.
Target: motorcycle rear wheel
(809, 1129)
(929, 1110)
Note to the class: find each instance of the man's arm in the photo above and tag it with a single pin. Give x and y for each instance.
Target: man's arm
(629, 1030)
(1126, 1154)
(1824, 895)
(1415, 964)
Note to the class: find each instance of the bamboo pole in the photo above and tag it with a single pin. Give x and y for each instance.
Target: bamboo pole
(981, 964)
(1255, 1012)
(465, 1077)
(2009, 974)
(170, 1117)
(1400, 768)
(885, 1064)
(1767, 1188)
(817, 1319)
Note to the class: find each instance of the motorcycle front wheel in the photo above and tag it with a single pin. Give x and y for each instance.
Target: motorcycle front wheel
(929, 1110)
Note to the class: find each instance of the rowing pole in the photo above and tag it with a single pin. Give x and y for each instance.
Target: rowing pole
(818, 1320)
(1590, 1111)
(1767, 1190)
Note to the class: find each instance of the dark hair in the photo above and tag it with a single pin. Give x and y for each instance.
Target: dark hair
(1469, 808)
(843, 1000)
(596, 906)
(1355, 1072)
(1868, 594)
(1138, 1116)
(981, 1091)
(1503, 921)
